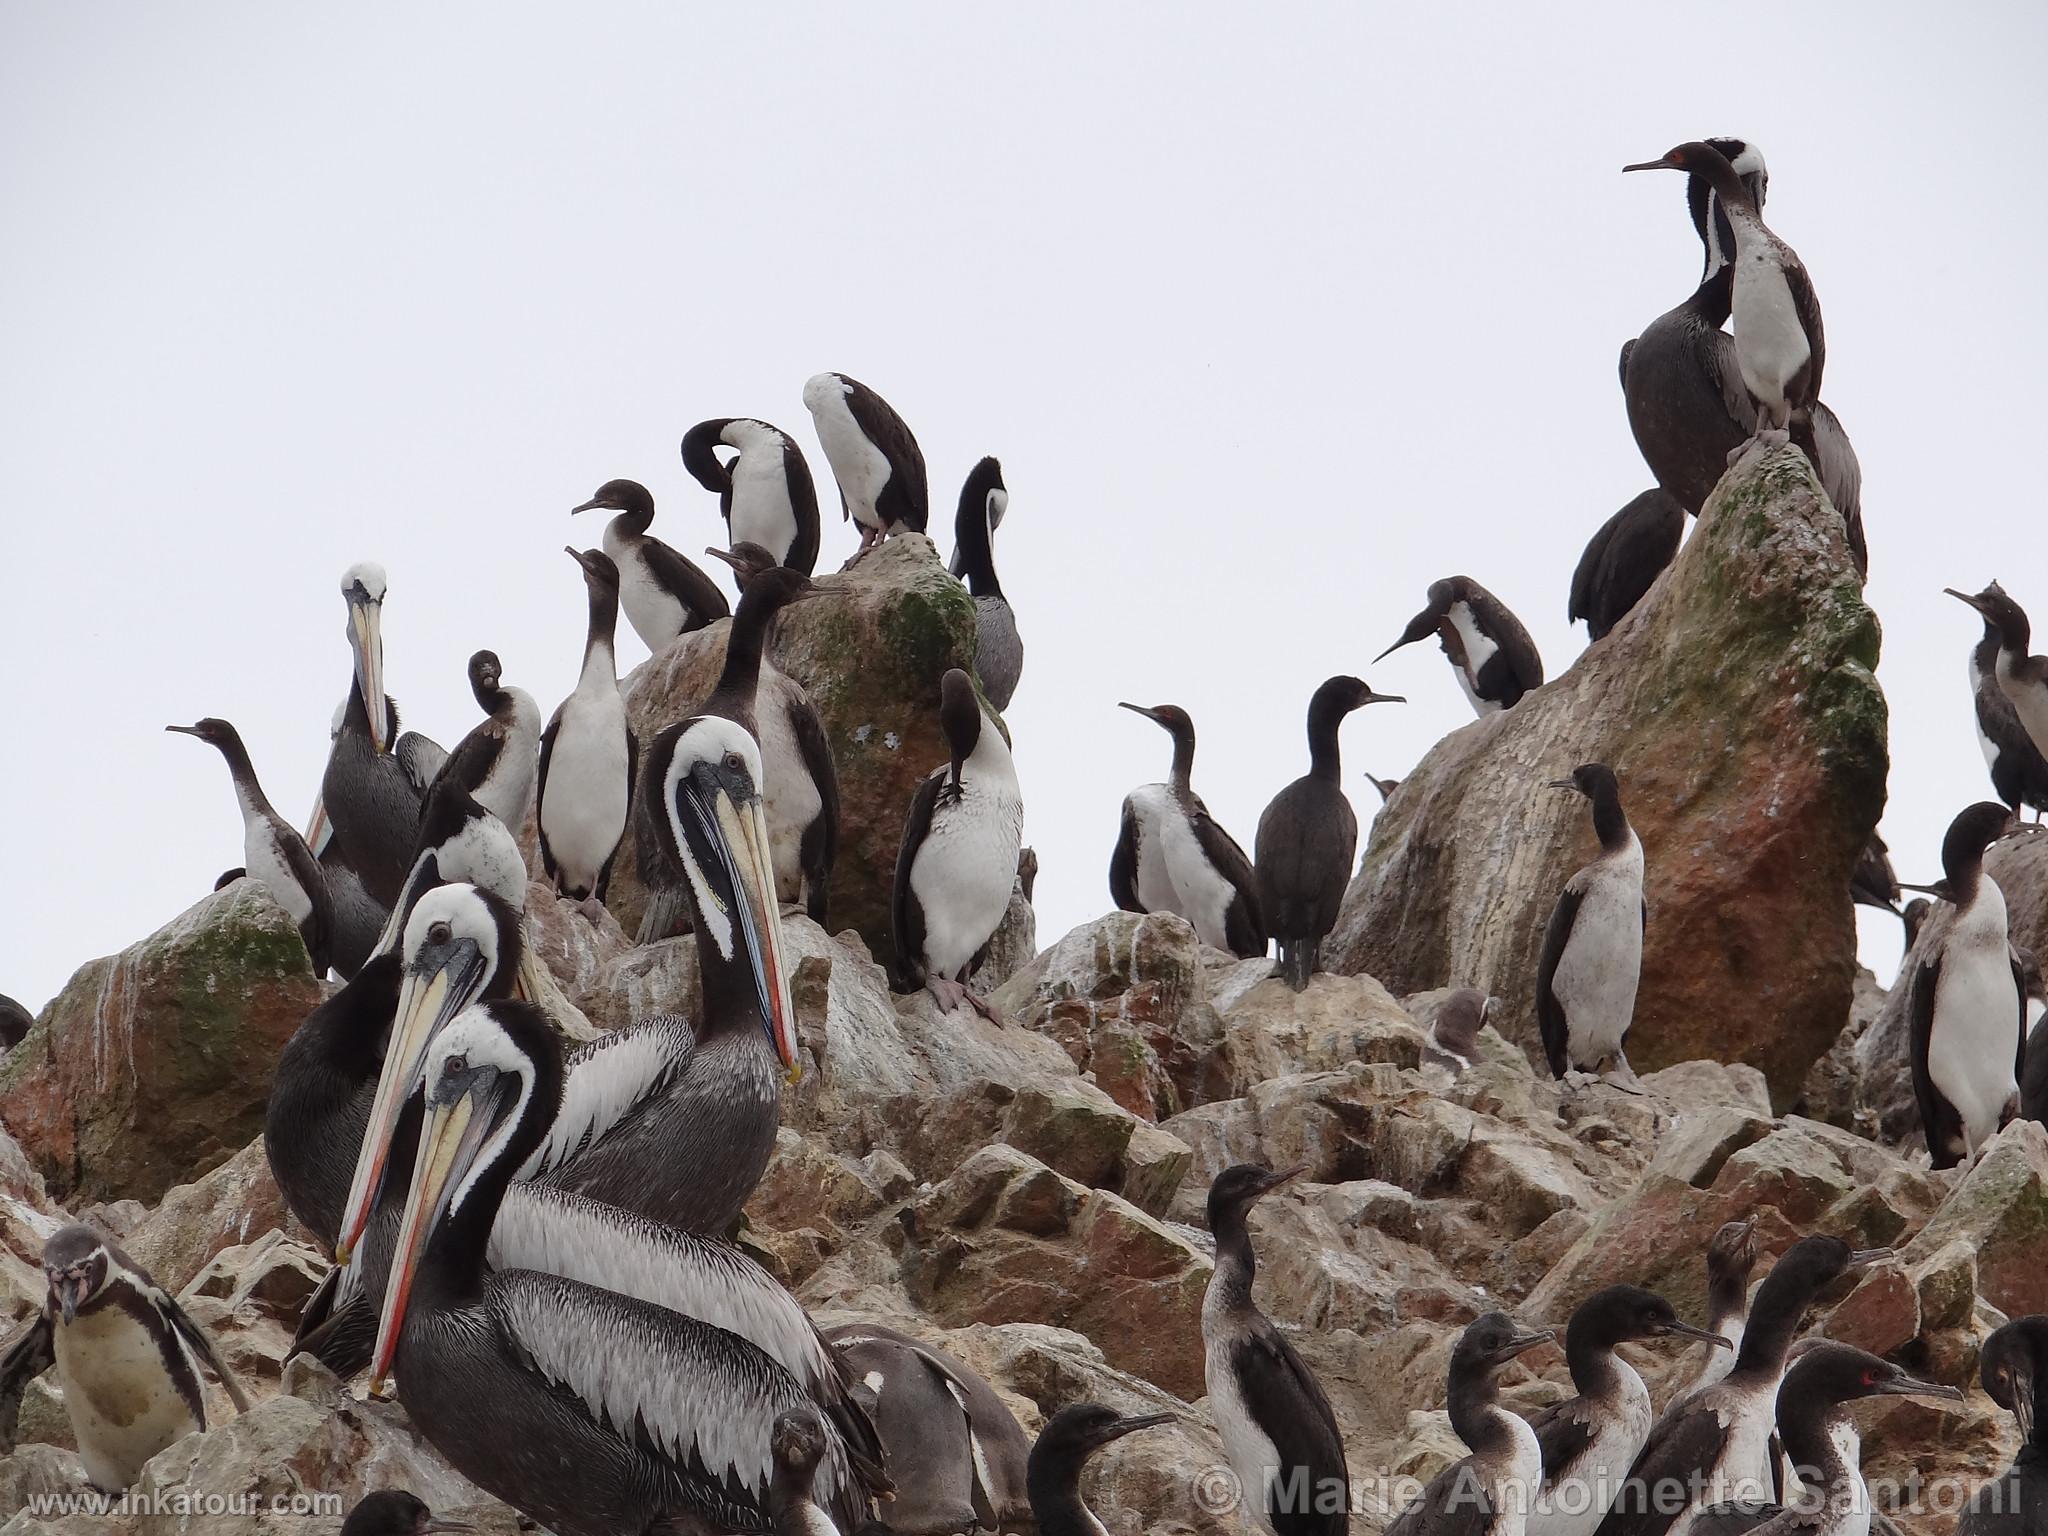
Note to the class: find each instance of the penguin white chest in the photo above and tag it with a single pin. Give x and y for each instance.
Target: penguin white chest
(583, 807)
(1974, 1045)
(656, 614)
(965, 869)
(1770, 343)
(1174, 875)
(123, 1402)
(1602, 964)
(1479, 649)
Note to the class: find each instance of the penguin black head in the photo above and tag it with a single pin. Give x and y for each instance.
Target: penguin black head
(747, 560)
(2001, 612)
(619, 496)
(1831, 1372)
(1623, 1313)
(485, 673)
(2014, 1360)
(1490, 1341)
(1079, 1430)
(1238, 1188)
(76, 1261)
(394, 1512)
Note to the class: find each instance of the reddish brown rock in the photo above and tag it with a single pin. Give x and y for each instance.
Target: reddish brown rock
(1738, 705)
(154, 1065)
(2000, 1208)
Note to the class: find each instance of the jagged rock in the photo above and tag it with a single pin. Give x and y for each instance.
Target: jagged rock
(870, 649)
(1881, 1314)
(1883, 1083)
(2020, 866)
(1841, 1090)
(38, 1470)
(154, 1065)
(1737, 704)
(235, 1203)
(1338, 1020)
(1999, 1208)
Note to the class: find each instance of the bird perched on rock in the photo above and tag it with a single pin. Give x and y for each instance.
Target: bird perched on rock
(1069, 1439)
(272, 850)
(1967, 1008)
(2019, 773)
(958, 861)
(1623, 560)
(1489, 1492)
(1171, 856)
(1275, 1423)
(496, 762)
(1453, 1039)
(394, 1512)
(2023, 679)
(588, 754)
(764, 490)
(664, 595)
(1592, 956)
(2014, 1369)
(1308, 835)
(875, 459)
(1489, 650)
(998, 650)
(127, 1358)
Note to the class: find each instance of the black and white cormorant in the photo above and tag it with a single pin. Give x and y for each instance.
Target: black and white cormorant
(588, 753)
(998, 651)
(1716, 1442)
(1873, 883)
(2023, 679)
(1492, 654)
(1069, 1439)
(1731, 1260)
(2019, 773)
(1487, 1493)
(1623, 560)
(874, 458)
(955, 1452)
(664, 595)
(2014, 1369)
(1172, 857)
(1967, 1008)
(127, 1358)
(272, 850)
(1278, 1432)
(496, 761)
(957, 864)
(801, 788)
(648, 1415)
(764, 490)
(1590, 1440)
(1592, 955)
(1687, 404)
(395, 1512)
(1814, 1427)
(796, 1447)
(1307, 837)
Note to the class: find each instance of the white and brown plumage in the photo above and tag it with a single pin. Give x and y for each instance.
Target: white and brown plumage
(497, 761)
(1592, 961)
(664, 595)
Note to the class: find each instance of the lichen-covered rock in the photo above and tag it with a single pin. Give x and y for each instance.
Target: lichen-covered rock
(2000, 1208)
(154, 1065)
(235, 1203)
(1738, 704)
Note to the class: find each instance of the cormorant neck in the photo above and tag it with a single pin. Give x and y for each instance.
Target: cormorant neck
(1323, 721)
(1773, 1324)
(1610, 824)
(1589, 1355)
(634, 521)
(1803, 1427)
(599, 653)
(739, 679)
(1714, 300)
(1473, 1399)
(1236, 1264)
(977, 552)
(243, 772)
(1054, 1488)
(1182, 772)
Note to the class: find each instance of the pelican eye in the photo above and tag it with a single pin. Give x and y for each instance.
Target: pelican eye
(440, 933)
(455, 1066)
(734, 763)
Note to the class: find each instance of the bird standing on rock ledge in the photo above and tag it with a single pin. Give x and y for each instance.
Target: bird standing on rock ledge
(1593, 951)
(1488, 648)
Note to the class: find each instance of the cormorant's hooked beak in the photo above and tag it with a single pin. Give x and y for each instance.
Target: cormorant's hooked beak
(1970, 598)
(1122, 1427)
(432, 993)
(595, 504)
(1863, 1258)
(742, 882)
(1274, 1180)
(439, 1527)
(451, 1136)
(1570, 784)
(1421, 627)
(1521, 1344)
(366, 639)
(1684, 1330)
(1912, 1386)
(1663, 162)
(1939, 890)
(1139, 709)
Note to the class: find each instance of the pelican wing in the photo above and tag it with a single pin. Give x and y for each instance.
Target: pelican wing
(607, 1079)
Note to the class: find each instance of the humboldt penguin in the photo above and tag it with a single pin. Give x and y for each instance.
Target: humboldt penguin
(588, 753)
(1717, 1441)
(496, 761)
(764, 491)
(1064, 1447)
(394, 1512)
(1967, 1008)
(875, 459)
(2014, 1369)
(1590, 1441)
(1780, 346)
(127, 1357)
(956, 1453)
(1487, 1493)
(2023, 679)
(1731, 1259)
(664, 595)
(1171, 857)
(802, 784)
(1307, 836)
(2019, 773)
(1278, 1432)
(998, 652)
(1814, 1427)
(1453, 1038)
(272, 850)
(958, 861)
(1593, 949)
(1623, 560)
(1492, 654)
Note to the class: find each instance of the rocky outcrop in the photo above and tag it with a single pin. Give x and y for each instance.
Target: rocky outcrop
(1738, 705)
(154, 1065)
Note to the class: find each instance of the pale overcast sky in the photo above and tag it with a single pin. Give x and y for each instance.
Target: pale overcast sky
(1272, 314)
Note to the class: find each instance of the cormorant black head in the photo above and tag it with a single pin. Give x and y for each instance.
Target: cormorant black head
(1731, 1257)
(1178, 724)
(76, 1260)
(1700, 158)
(983, 500)
(215, 733)
(1239, 1187)
(1703, 204)
(1830, 1372)
(1596, 781)
(766, 592)
(983, 495)
(600, 575)
(1975, 828)
(2012, 1366)
(1913, 916)
(959, 717)
(1337, 697)
(1442, 594)
(1459, 1018)
(700, 455)
(16, 1021)
(1490, 1341)
(394, 1512)
(484, 676)
(1076, 1433)
(1801, 1273)
(797, 1443)
(747, 560)
(1623, 1313)
(2001, 612)
(620, 496)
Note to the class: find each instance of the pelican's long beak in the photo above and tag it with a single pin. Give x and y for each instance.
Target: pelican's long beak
(318, 828)
(738, 835)
(366, 639)
(526, 977)
(427, 1000)
(450, 1138)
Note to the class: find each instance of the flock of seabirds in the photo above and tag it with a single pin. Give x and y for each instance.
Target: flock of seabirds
(538, 1239)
